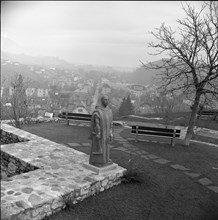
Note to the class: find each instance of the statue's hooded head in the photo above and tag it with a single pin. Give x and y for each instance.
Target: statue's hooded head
(103, 101)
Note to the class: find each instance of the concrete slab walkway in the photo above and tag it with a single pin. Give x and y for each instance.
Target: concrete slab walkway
(130, 148)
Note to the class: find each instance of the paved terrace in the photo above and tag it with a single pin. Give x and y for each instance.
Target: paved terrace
(61, 177)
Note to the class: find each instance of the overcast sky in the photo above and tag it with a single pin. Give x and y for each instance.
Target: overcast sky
(94, 32)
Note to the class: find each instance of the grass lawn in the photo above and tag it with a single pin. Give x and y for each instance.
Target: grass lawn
(197, 157)
(179, 119)
(176, 118)
(162, 194)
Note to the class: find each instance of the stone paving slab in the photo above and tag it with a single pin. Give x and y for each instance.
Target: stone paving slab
(86, 144)
(121, 148)
(127, 151)
(193, 175)
(128, 145)
(152, 156)
(205, 181)
(39, 193)
(130, 139)
(161, 161)
(134, 153)
(145, 157)
(144, 152)
(213, 188)
(144, 140)
(204, 143)
(179, 167)
(100, 170)
(74, 144)
(140, 152)
(121, 140)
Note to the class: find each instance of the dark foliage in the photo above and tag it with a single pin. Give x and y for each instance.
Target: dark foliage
(126, 107)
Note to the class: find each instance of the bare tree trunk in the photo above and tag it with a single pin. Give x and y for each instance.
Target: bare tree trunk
(192, 119)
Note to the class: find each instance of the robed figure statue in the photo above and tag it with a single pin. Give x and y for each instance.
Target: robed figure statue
(101, 134)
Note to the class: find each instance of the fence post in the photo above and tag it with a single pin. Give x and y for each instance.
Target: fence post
(174, 137)
(136, 134)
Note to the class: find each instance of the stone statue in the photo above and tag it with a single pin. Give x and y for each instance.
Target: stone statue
(101, 134)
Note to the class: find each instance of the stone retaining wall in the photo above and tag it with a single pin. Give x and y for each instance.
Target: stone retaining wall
(76, 195)
(11, 166)
(61, 177)
(8, 138)
(33, 120)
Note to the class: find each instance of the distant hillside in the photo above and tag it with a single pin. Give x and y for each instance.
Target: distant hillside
(50, 61)
(10, 45)
(9, 71)
(143, 76)
(45, 61)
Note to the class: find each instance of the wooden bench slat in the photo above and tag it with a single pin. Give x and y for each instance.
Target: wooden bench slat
(157, 129)
(165, 134)
(77, 115)
(79, 118)
(207, 113)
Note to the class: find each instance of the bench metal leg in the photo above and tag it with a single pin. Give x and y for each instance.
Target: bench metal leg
(67, 118)
(173, 139)
(136, 134)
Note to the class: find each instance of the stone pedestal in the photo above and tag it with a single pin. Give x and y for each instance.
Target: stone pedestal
(100, 170)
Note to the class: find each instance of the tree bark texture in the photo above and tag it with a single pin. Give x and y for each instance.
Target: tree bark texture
(192, 119)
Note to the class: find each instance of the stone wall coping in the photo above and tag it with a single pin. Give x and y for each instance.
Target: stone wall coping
(60, 173)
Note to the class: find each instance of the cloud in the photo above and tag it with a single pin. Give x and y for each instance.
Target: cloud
(88, 30)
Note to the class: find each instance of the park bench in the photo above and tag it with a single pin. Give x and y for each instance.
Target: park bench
(207, 113)
(75, 117)
(155, 130)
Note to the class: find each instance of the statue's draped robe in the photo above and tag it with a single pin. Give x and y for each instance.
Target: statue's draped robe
(101, 121)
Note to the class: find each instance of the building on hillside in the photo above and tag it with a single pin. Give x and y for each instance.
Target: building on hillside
(81, 94)
(106, 89)
(81, 110)
(42, 92)
(136, 89)
(80, 97)
(30, 91)
(87, 87)
(90, 82)
(2, 90)
(11, 91)
(5, 91)
(187, 102)
(116, 101)
(38, 102)
(78, 106)
(144, 109)
(64, 98)
(38, 72)
(104, 80)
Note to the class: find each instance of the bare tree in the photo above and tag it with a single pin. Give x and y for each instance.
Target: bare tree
(18, 108)
(192, 65)
(163, 102)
